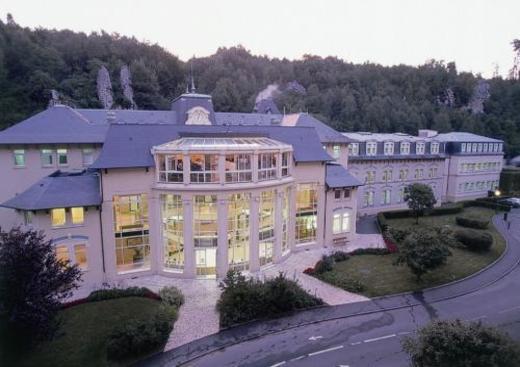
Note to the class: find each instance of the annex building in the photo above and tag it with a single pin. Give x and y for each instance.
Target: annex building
(191, 192)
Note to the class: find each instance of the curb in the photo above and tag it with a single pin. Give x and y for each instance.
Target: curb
(161, 359)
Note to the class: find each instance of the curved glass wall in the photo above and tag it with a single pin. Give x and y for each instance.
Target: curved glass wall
(204, 168)
(306, 213)
(170, 168)
(285, 221)
(205, 234)
(267, 166)
(172, 231)
(266, 227)
(238, 231)
(131, 232)
(238, 168)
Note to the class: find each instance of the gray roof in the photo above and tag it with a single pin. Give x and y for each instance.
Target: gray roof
(55, 125)
(465, 137)
(337, 176)
(362, 136)
(99, 116)
(59, 190)
(129, 145)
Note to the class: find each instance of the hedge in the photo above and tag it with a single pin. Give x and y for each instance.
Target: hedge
(111, 293)
(474, 240)
(472, 222)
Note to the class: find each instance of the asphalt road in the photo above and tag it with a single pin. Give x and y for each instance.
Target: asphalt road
(375, 339)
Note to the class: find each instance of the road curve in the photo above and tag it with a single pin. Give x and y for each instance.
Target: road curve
(365, 333)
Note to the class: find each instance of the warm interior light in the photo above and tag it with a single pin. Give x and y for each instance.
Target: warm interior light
(497, 193)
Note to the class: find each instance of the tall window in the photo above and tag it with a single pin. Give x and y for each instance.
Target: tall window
(75, 254)
(432, 172)
(238, 231)
(485, 147)
(205, 223)
(87, 156)
(387, 175)
(47, 157)
(386, 197)
(434, 148)
(171, 168)
(336, 151)
(400, 197)
(368, 198)
(285, 163)
(463, 147)
(131, 232)
(285, 221)
(306, 213)
(172, 221)
(58, 217)
(19, 157)
(405, 148)
(479, 149)
(266, 227)
(389, 148)
(370, 177)
(403, 174)
(266, 166)
(341, 221)
(204, 168)
(78, 215)
(419, 148)
(419, 173)
(238, 168)
(353, 149)
(62, 157)
(371, 148)
(474, 147)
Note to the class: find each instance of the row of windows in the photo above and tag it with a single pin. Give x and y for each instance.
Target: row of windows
(59, 217)
(386, 197)
(387, 175)
(481, 147)
(475, 167)
(51, 157)
(389, 148)
(477, 186)
(204, 168)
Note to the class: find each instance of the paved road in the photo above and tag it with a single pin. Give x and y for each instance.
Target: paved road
(369, 333)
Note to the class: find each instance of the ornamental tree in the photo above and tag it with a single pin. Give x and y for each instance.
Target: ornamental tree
(419, 197)
(423, 251)
(33, 282)
(457, 344)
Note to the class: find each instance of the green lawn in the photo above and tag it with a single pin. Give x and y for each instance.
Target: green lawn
(381, 277)
(84, 332)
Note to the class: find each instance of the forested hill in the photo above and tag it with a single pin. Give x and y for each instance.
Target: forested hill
(99, 69)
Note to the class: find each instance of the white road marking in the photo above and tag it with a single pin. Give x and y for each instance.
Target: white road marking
(380, 338)
(315, 337)
(477, 318)
(297, 358)
(509, 309)
(404, 333)
(325, 350)
(343, 365)
(278, 364)
(356, 343)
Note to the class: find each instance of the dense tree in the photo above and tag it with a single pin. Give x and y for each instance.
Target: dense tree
(366, 96)
(422, 251)
(419, 198)
(456, 344)
(33, 282)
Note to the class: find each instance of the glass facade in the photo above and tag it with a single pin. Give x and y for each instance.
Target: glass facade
(238, 168)
(204, 168)
(306, 213)
(131, 231)
(205, 234)
(285, 222)
(170, 168)
(266, 227)
(238, 231)
(172, 220)
(266, 166)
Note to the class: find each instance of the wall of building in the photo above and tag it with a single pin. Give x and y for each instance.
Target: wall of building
(340, 205)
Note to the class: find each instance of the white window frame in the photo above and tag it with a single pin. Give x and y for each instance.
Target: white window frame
(19, 153)
(71, 252)
(62, 152)
(371, 148)
(353, 149)
(405, 148)
(463, 147)
(434, 148)
(336, 151)
(341, 221)
(419, 148)
(87, 156)
(389, 148)
(47, 153)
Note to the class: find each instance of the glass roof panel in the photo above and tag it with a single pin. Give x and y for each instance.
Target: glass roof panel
(241, 143)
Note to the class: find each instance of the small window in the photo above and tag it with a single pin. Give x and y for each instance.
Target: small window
(62, 253)
(78, 215)
(80, 256)
(19, 157)
(62, 157)
(336, 150)
(47, 157)
(88, 156)
(58, 217)
(353, 149)
(463, 147)
(346, 193)
(341, 222)
(337, 194)
(28, 217)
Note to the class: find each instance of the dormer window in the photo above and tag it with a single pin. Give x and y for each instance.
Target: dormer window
(353, 149)
(419, 148)
(405, 148)
(434, 148)
(198, 116)
(389, 148)
(336, 150)
(371, 148)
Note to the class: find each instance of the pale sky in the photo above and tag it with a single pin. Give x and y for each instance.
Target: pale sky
(476, 34)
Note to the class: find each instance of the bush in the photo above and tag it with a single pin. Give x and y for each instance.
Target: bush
(339, 256)
(138, 337)
(370, 251)
(172, 296)
(474, 240)
(309, 271)
(245, 300)
(340, 280)
(486, 204)
(448, 209)
(111, 293)
(325, 264)
(472, 222)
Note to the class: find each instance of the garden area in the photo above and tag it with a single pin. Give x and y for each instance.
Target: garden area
(376, 272)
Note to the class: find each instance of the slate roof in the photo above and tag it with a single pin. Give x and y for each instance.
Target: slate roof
(130, 145)
(55, 125)
(59, 190)
(466, 137)
(337, 176)
(382, 137)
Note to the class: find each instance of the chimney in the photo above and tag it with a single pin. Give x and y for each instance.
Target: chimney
(425, 133)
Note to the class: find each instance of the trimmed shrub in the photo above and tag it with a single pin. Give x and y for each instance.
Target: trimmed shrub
(448, 209)
(138, 337)
(474, 240)
(245, 300)
(340, 280)
(487, 204)
(172, 296)
(339, 256)
(111, 293)
(398, 214)
(472, 222)
(325, 264)
(370, 251)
